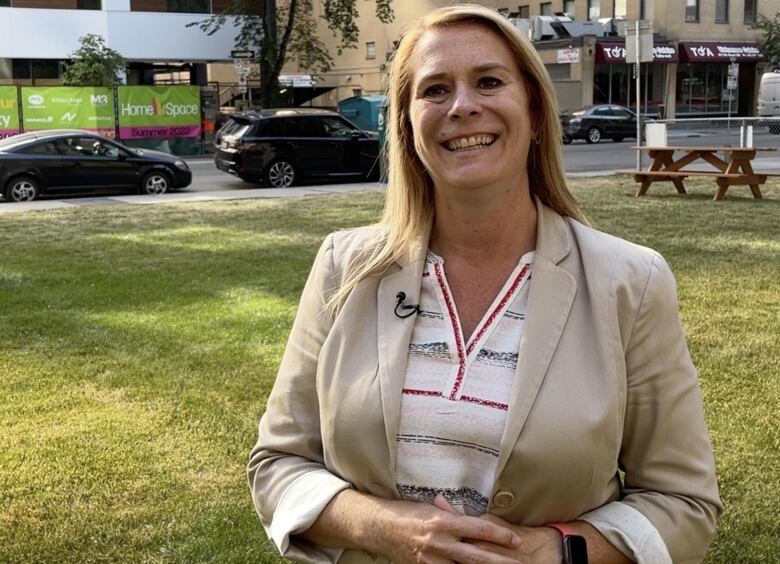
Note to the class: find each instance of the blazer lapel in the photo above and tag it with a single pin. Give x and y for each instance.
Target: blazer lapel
(551, 294)
(394, 334)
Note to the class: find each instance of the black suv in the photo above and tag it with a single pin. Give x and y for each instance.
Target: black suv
(283, 146)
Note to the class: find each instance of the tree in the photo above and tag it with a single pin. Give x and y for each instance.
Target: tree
(297, 39)
(93, 64)
(771, 39)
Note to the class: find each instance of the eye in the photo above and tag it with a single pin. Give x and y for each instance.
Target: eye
(434, 91)
(489, 82)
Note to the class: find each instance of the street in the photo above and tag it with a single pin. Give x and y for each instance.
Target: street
(579, 158)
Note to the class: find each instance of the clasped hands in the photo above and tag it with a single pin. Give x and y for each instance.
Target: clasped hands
(440, 534)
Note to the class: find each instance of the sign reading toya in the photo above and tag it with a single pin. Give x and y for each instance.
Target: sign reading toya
(147, 112)
(68, 107)
(9, 112)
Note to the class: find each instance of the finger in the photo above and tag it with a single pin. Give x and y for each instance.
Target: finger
(441, 503)
(465, 553)
(479, 529)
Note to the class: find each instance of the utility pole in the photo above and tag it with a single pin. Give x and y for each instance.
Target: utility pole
(638, 101)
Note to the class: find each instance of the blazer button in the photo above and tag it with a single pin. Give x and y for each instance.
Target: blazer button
(503, 499)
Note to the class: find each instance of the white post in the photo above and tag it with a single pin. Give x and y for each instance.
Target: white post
(749, 136)
(742, 135)
(638, 102)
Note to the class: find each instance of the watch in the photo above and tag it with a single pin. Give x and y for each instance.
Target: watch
(575, 549)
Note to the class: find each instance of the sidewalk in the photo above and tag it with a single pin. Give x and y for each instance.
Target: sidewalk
(176, 197)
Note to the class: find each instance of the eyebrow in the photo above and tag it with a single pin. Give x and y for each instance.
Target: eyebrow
(478, 69)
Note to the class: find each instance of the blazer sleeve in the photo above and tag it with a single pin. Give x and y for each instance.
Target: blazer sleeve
(666, 452)
(289, 446)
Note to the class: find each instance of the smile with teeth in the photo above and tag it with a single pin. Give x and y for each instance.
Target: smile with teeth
(470, 143)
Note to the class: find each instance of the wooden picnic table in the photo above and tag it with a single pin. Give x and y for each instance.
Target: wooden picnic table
(734, 170)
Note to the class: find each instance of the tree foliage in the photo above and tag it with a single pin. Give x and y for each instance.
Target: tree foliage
(287, 32)
(771, 39)
(93, 64)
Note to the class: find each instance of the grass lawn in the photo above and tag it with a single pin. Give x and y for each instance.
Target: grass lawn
(138, 345)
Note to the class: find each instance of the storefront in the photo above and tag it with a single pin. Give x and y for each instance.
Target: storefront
(613, 78)
(689, 79)
(716, 78)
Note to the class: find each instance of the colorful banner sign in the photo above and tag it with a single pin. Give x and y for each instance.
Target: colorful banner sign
(9, 111)
(68, 107)
(147, 112)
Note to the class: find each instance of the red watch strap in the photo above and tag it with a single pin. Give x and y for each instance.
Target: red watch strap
(564, 529)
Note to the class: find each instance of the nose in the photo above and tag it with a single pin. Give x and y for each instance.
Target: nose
(465, 103)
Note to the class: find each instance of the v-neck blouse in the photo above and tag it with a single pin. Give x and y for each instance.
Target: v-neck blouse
(456, 392)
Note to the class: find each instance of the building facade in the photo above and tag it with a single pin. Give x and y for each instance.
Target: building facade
(695, 45)
(36, 36)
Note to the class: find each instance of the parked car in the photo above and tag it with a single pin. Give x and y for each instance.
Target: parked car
(281, 147)
(61, 161)
(594, 123)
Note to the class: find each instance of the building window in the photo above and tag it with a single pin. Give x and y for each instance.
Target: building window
(701, 89)
(641, 9)
(722, 11)
(524, 12)
(46, 68)
(568, 8)
(190, 6)
(357, 91)
(88, 4)
(371, 50)
(691, 10)
(751, 11)
(618, 8)
(545, 8)
(5, 3)
(594, 10)
(6, 68)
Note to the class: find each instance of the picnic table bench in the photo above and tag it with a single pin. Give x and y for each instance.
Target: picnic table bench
(735, 171)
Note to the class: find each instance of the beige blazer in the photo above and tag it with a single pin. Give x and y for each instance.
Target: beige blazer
(604, 383)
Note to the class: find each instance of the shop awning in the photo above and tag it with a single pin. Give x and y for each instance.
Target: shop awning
(615, 53)
(718, 52)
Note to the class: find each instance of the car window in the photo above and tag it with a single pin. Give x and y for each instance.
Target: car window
(606, 112)
(304, 127)
(105, 149)
(89, 147)
(271, 128)
(337, 127)
(45, 148)
(232, 125)
(620, 112)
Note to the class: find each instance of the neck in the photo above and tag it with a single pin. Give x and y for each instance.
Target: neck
(497, 223)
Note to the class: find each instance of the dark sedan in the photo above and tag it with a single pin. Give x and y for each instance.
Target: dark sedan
(63, 161)
(594, 123)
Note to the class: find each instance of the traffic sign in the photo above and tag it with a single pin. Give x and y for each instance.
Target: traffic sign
(242, 54)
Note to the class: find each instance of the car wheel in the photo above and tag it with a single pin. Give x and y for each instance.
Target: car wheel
(594, 135)
(22, 189)
(280, 174)
(155, 183)
(566, 139)
(617, 139)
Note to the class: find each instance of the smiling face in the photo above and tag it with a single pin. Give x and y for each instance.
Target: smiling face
(469, 108)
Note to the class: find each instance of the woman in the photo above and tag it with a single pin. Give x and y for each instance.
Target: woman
(416, 416)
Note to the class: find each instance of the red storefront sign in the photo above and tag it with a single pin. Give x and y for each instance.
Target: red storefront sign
(615, 53)
(710, 52)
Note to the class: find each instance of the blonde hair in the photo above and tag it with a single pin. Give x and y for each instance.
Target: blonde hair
(409, 204)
